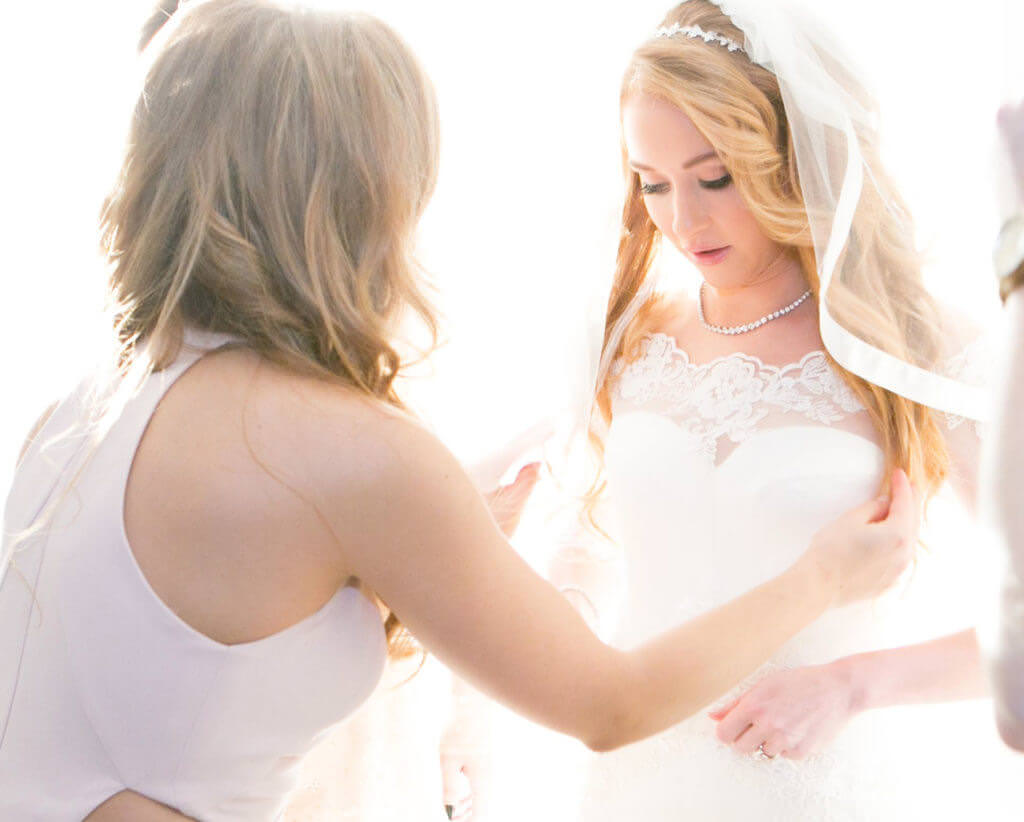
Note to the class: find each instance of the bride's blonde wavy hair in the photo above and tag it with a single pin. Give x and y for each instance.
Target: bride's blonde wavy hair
(277, 164)
(738, 107)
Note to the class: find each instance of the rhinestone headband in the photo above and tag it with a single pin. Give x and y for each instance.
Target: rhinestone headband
(697, 32)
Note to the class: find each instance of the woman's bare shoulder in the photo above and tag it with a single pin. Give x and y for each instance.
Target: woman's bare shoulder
(668, 314)
(331, 434)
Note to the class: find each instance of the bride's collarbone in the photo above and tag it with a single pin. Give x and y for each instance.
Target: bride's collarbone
(784, 345)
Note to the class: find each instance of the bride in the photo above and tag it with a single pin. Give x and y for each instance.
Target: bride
(810, 358)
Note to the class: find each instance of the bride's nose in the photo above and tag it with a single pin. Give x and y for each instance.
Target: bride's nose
(689, 215)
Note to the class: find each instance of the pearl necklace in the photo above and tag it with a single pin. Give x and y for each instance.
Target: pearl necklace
(743, 329)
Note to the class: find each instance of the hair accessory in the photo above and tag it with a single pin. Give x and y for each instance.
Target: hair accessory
(697, 32)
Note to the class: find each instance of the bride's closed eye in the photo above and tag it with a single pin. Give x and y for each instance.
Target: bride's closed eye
(712, 185)
(653, 188)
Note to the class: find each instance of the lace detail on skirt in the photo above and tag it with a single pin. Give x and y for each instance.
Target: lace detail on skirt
(778, 790)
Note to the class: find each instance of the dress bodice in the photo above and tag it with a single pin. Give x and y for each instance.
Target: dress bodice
(718, 476)
(729, 399)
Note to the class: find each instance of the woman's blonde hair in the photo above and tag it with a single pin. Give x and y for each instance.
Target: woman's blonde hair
(277, 164)
(738, 107)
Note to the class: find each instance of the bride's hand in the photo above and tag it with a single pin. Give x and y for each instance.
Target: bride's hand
(863, 552)
(791, 713)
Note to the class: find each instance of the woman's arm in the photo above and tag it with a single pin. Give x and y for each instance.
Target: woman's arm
(798, 712)
(129, 806)
(412, 526)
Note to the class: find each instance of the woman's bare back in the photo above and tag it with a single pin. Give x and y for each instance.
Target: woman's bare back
(129, 806)
(217, 512)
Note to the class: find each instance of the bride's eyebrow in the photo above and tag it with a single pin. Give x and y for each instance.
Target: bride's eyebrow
(711, 155)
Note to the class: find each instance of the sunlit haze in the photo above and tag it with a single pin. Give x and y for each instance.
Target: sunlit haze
(521, 234)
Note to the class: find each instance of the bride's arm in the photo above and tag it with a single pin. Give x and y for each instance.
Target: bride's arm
(800, 711)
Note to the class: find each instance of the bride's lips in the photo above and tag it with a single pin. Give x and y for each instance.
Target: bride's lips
(711, 256)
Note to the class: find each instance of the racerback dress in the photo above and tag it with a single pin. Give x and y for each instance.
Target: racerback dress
(103, 688)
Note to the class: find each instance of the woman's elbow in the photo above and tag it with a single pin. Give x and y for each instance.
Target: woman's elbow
(629, 708)
(610, 737)
(608, 725)
(614, 715)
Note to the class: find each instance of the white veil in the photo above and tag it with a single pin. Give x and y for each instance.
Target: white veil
(828, 115)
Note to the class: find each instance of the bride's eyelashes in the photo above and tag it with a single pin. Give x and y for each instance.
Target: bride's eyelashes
(714, 185)
(653, 188)
(660, 188)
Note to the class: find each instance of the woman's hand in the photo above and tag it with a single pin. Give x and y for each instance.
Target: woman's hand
(789, 713)
(863, 552)
(508, 501)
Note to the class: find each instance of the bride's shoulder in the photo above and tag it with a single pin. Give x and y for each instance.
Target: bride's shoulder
(668, 314)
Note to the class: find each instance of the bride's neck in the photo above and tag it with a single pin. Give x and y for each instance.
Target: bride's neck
(778, 286)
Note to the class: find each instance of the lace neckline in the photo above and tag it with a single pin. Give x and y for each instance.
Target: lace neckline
(731, 396)
(761, 365)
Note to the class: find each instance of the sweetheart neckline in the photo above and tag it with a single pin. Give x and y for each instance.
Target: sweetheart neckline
(759, 434)
(816, 428)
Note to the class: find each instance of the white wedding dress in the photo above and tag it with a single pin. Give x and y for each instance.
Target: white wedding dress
(718, 476)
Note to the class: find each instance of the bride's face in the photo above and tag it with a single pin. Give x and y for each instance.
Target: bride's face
(691, 197)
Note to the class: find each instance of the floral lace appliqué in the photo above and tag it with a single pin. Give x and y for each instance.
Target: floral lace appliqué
(731, 395)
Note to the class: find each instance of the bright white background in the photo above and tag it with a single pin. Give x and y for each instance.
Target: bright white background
(522, 230)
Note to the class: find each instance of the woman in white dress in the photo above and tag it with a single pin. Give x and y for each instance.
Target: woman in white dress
(724, 415)
(1007, 461)
(197, 543)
